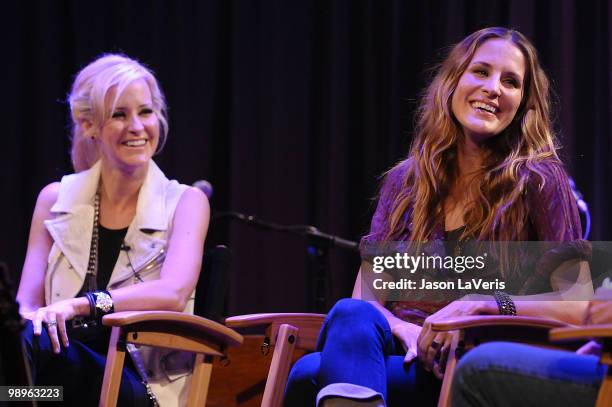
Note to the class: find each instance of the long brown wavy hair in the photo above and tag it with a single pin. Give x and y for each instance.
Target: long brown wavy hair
(496, 210)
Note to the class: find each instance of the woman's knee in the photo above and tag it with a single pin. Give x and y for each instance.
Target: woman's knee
(302, 385)
(481, 355)
(468, 374)
(476, 360)
(354, 323)
(350, 309)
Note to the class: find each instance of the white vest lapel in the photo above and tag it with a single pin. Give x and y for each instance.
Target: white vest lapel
(72, 232)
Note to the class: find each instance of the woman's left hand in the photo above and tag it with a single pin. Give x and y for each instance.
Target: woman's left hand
(433, 347)
(55, 316)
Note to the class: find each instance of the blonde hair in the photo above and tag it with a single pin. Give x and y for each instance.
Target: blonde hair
(526, 147)
(88, 102)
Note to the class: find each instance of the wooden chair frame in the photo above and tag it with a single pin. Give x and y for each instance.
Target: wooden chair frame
(166, 329)
(471, 331)
(584, 333)
(290, 331)
(286, 332)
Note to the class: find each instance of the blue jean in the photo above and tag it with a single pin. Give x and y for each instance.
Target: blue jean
(509, 374)
(78, 369)
(356, 346)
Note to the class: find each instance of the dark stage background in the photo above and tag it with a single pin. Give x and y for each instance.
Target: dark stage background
(291, 109)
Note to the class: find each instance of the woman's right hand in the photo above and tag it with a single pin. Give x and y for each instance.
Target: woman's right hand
(599, 310)
(55, 317)
(407, 334)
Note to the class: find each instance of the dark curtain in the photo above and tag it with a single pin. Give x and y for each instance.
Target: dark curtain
(291, 109)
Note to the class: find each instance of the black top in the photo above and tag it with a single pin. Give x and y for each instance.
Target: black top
(453, 242)
(454, 235)
(109, 246)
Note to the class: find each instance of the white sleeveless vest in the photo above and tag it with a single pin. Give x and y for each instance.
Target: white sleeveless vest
(147, 237)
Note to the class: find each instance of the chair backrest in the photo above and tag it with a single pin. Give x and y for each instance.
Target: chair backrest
(213, 284)
(210, 303)
(477, 329)
(286, 332)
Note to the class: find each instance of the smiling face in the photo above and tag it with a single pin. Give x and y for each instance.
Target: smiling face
(490, 90)
(129, 138)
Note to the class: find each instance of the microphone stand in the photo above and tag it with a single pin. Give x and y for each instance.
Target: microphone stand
(318, 245)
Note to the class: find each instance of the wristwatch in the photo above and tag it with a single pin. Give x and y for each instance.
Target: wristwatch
(104, 302)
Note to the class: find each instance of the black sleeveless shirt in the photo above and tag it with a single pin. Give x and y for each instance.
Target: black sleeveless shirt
(109, 247)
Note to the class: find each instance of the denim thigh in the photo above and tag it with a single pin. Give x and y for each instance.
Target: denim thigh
(510, 374)
(356, 346)
(78, 369)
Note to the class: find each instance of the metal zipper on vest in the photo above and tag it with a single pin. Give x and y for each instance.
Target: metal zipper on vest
(157, 259)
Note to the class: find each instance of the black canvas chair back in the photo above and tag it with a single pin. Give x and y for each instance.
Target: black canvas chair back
(212, 288)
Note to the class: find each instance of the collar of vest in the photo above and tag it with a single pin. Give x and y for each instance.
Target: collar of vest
(71, 227)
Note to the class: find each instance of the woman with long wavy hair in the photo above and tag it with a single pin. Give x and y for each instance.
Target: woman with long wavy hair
(483, 165)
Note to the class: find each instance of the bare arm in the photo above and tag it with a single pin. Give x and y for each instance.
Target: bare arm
(30, 294)
(555, 218)
(573, 288)
(571, 282)
(178, 277)
(406, 332)
(181, 268)
(364, 293)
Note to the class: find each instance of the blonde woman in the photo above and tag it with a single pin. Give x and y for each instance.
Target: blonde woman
(117, 235)
(482, 165)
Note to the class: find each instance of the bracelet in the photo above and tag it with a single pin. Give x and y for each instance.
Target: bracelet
(100, 304)
(504, 303)
(104, 304)
(92, 305)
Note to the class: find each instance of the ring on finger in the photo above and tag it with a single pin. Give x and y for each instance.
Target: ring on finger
(52, 323)
(438, 356)
(435, 345)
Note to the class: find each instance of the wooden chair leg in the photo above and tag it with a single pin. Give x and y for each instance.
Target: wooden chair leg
(604, 398)
(112, 370)
(280, 365)
(449, 372)
(200, 379)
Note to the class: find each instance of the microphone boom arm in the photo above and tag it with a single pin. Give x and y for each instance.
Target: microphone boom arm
(303, 230)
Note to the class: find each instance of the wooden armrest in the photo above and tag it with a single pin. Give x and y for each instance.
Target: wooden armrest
(477, 321)
(296, 319)
(174, 322)
(305, 326)
(581, 332)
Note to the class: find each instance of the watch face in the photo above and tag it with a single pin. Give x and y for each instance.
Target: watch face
(104, 302)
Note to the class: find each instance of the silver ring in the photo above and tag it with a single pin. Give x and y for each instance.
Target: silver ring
(51, 323)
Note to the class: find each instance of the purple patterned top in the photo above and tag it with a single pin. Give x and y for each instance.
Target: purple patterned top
(553, 216)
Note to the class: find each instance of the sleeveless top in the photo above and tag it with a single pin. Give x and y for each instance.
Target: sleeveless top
(109, 246)
(147, 236)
